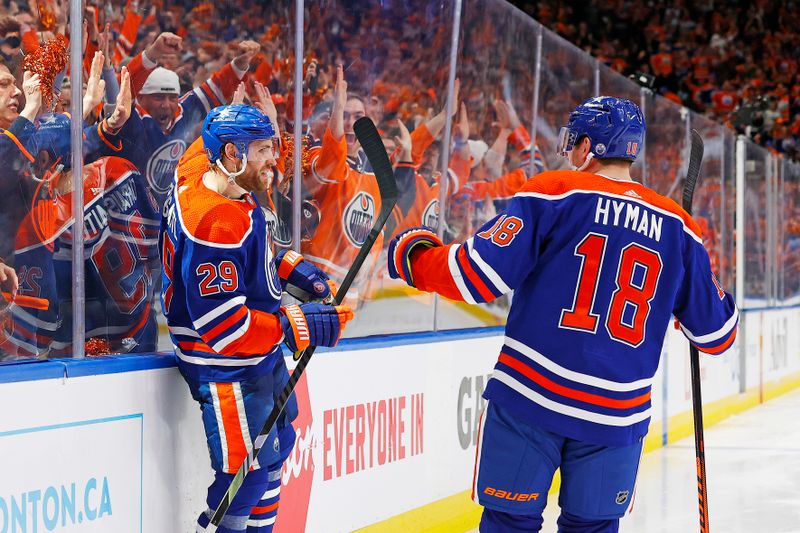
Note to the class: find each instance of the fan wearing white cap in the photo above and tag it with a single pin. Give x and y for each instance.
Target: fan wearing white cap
(165, 122)
(159, 96)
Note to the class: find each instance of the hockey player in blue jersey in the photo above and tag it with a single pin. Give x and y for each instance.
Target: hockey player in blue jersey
(599, 265)
(221, 293)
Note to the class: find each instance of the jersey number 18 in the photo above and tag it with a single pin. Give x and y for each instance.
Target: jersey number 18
(632, 289)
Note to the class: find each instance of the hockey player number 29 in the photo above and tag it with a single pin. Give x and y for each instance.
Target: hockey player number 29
(638, 270)
(217, 278)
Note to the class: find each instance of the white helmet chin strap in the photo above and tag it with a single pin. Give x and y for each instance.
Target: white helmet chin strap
(585, 163)
(232, 175)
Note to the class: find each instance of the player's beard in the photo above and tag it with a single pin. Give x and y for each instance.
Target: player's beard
(255, 179)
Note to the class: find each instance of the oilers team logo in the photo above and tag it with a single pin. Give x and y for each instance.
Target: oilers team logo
(430, 216)
(319, 287)
(622, 497)
(358, 218)
(161, 166)
(279, 230)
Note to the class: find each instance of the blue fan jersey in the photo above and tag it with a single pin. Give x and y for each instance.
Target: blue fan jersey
(120, 234)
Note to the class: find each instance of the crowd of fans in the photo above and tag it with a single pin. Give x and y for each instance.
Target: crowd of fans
(735, 61)
(154, 68)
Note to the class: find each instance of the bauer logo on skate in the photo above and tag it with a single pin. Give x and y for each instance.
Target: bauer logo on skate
(368, 435)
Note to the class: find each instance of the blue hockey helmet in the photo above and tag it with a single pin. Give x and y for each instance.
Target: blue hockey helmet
(615, 127)
(53, 136)
(238, 124)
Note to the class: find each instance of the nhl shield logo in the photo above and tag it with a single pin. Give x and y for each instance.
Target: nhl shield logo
(622, 497)
(161, 165)
(358, 218)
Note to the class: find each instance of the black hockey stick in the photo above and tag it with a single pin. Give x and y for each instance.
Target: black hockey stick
(695, 159)
(376, 154)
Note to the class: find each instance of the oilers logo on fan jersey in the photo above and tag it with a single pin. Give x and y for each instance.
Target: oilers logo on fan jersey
(358, 218)
(430, 215)
(280, 231)
(161, 165)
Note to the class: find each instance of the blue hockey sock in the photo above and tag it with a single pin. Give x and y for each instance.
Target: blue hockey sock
(569, 523)
(499, 522)
(262, 517)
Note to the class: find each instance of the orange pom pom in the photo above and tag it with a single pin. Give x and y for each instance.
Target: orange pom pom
(47, 61)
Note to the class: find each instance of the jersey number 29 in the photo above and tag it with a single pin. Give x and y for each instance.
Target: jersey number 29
(637, 276)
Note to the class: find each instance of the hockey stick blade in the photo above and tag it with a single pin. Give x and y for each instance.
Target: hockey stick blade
(373, 147)
(692, 174)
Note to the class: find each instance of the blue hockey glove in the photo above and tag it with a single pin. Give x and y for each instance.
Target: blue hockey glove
(295, 271)
(313, 324)
(401, 247)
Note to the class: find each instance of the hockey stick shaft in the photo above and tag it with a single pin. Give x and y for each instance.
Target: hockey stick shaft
(695, 160)
(376, 154)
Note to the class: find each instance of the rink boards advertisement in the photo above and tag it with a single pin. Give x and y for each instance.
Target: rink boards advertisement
(384, 428)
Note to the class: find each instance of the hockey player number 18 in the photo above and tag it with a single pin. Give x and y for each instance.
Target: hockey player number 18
(503, 231)
(638, 270)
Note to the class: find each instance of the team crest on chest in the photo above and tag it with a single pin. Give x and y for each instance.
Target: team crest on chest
(161, 165)
(358, 218)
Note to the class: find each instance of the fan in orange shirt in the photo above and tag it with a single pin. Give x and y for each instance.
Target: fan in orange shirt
(344, 188)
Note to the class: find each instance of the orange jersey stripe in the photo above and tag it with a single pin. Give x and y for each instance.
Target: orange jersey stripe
(573, 394)
(265, 508)
(22, 149)
(231, 424)
(101, 132)
(197, 347)
(484, 291)
(225, 324)
(722, 347)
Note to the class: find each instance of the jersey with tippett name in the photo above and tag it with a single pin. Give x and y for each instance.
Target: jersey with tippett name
(599, 267)
(120, 234)
(220, 288)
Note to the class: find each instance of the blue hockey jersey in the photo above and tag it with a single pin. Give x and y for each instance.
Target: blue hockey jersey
(121, 230)
(599, 267)
(220, 286)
